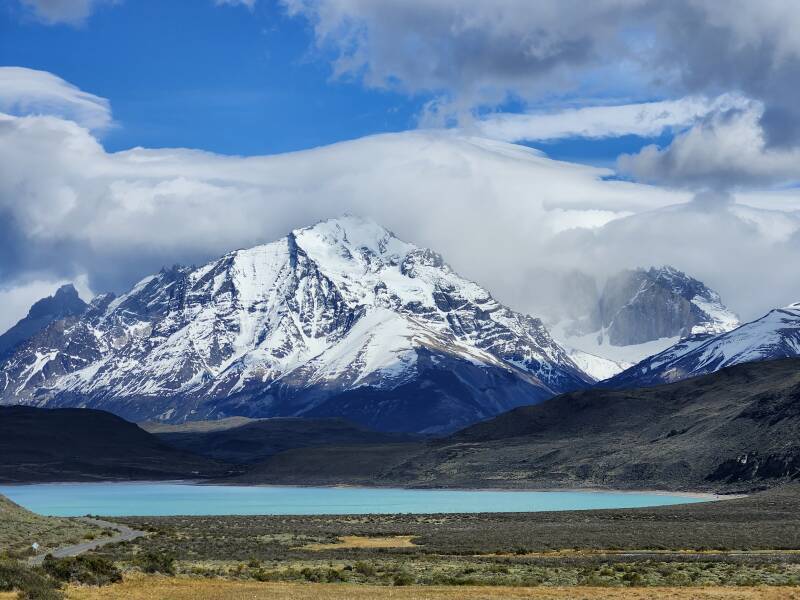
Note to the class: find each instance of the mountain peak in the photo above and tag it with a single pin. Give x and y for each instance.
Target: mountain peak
(65, 301)
(66, 291)
(774, 336)
(667, 272)
(353, 232)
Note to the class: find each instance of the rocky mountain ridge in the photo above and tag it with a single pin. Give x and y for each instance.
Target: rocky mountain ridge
(341, 319)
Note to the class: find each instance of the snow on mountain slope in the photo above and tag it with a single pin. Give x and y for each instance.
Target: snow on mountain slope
(597, 367)
(773, 336)
(283, 328)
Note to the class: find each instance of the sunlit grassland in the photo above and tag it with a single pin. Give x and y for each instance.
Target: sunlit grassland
(177, 588)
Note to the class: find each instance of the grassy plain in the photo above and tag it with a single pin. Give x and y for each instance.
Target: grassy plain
(161, 588)
(746, 548)
(741, 542)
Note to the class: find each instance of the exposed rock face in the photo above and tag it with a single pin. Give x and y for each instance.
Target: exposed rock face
(639, 313)
(773, 336)
(64, 303)
(340, 319)
(640, 306)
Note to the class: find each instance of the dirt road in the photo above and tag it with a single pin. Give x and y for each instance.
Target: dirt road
(124, 534)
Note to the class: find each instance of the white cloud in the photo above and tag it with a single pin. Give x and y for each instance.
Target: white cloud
(73, 12)
(647, 119)
(30, 92)
(248, 3)
(498, 212)
(474, 50)
(729, 150)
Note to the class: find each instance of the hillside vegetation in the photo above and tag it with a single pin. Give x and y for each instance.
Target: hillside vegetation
(20, 528)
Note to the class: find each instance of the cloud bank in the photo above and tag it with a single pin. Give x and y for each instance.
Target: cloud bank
(501, 214)
(474, 53)
(645, 119)
(29, 92)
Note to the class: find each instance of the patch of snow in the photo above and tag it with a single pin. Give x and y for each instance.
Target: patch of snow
(597, 344)
(598, 367)
(721, 319)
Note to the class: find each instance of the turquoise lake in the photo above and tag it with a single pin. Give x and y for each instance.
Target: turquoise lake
(148, 499)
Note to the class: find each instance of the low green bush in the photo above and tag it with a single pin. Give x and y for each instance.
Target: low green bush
(153, 561)
(29, 583)
(86, 569)
(364, 568)
(403, 578)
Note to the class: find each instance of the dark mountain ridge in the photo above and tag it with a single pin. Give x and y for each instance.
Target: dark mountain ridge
(80, 444)
(257, 440)
(737, 429)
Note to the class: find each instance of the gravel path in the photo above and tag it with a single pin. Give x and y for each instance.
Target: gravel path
(124, 534)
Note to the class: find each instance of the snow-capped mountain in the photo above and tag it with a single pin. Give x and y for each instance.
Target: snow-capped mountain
(639, 313)
(339, 319)
(773, 336)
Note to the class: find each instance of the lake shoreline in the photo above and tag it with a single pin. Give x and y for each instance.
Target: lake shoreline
(187, 498)
(711, 496)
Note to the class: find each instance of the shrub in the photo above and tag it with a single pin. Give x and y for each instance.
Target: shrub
(40, 591)
(403, 578)
(264, 575)
(30, 583)
(632, 578)
(323, 575)
(499, 569)
(87, 569)
(364, 568)
(156, 562)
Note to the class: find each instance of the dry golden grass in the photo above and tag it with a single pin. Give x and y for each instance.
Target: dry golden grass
(161, 588)
(360, 541)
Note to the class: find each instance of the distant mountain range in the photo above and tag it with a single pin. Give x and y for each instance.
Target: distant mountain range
(734, 430)
(344, 320)
(341, 319)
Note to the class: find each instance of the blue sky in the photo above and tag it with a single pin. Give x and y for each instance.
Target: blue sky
(192, 74)
(231, 80)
